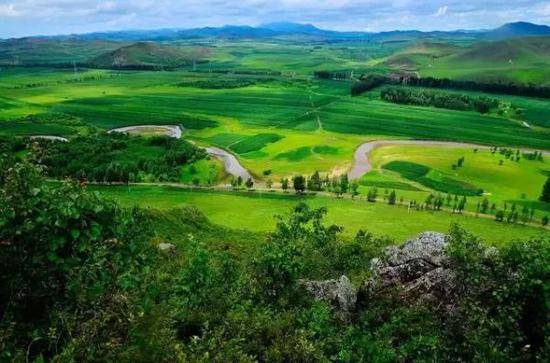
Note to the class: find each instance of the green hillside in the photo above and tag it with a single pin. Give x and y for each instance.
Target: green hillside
(142, 54)
(46, 51)
(523, 60)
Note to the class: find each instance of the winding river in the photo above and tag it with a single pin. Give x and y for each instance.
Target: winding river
(230, 162)
(362, 165)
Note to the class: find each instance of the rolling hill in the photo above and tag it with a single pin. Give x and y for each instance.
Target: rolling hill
(519, 60)
(142, 54)
(518, 29)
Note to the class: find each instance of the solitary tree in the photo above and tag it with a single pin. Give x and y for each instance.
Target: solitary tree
(344, 183)
(461, 204)
(249, 183)
(545, 196)
(314, 182)
(269, 183)
(392, 197)
(284, 184)
(299, 183)
(353, 189)
(545, 220)
(484, 206)
(372, 195)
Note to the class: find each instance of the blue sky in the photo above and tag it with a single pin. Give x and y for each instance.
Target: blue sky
(32, 17)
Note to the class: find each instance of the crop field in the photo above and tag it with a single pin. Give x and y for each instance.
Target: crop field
(260, 101)
(255, 211)
(511, 182)
(283, 125)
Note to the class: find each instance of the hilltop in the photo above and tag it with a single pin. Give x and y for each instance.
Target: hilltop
(487, 61)
(141, 54)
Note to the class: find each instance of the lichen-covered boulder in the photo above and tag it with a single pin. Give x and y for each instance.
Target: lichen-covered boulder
(339, 293)
(419, 270)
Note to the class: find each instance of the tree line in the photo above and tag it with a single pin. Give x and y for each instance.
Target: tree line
(438, 99)
(371, 81)
(341, 185)
(334, 75)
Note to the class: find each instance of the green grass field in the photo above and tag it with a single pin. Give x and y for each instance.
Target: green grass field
(512, 182)
(259, 101)
(256, 211)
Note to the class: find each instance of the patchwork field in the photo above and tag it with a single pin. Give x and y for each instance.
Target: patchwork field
(260, 102)
(406, 167)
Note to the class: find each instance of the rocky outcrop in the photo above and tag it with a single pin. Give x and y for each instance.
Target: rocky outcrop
(166, 247)
(419, 270)
(339, 293)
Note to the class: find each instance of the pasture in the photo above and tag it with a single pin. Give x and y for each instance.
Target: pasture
(255, 211)
(283, 125)
(511, 182)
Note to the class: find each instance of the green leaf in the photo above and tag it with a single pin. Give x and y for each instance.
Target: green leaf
(75, 233)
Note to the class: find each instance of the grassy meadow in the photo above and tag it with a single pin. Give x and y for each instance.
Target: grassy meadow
(255, 211)
(260, 101)
(512, 182)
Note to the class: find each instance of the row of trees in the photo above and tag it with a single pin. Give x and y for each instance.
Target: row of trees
(367, 83)
(370, 81)
(438, 99)
(224, 83)
(341, 185)
(334, 75)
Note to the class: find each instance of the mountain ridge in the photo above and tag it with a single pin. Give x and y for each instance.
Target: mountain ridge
(282, 29)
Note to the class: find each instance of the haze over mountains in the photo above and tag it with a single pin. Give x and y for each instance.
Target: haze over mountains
(288, 29)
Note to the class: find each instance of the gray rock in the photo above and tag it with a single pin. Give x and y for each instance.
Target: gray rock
(340, 293)
(419, 270)
(166, 247)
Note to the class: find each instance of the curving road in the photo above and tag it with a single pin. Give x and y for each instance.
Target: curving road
(230, 162)
(49, 137)
(172, 130)
(362, 165)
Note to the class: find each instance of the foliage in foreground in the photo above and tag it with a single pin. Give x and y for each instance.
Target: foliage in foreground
(104, 294)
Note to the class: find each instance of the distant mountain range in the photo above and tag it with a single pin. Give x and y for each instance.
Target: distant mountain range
(289, 30)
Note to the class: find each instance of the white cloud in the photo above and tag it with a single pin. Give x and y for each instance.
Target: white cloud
(8, 10)
(27, 17)
(441, 11)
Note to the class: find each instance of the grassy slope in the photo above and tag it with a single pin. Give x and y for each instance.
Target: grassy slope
(518, 60)
(255, 212)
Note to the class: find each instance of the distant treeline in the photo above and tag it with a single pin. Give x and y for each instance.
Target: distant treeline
(438, 99)
(335, 75)
(91, 65)
(246, 72)
(367, 84)
(371, 81)
(224, 83)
